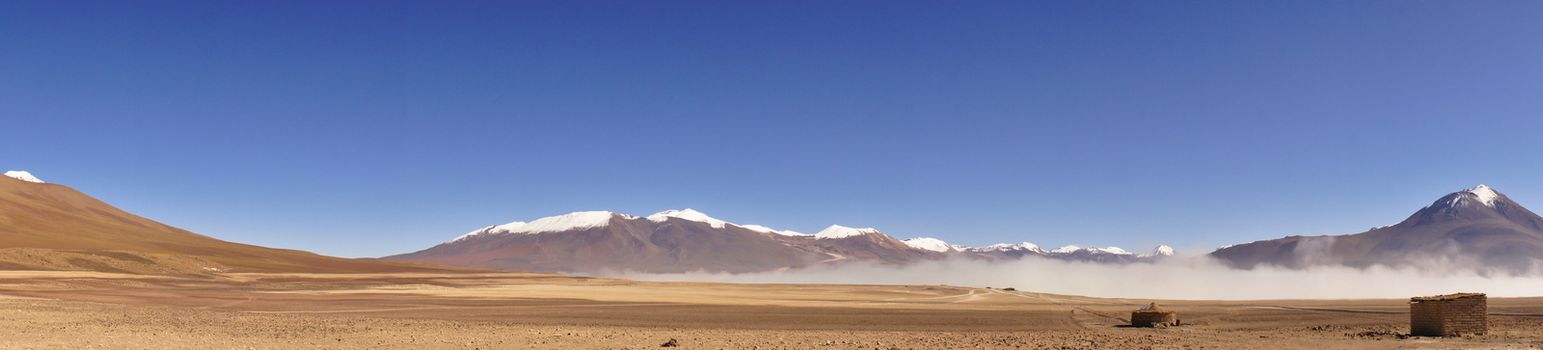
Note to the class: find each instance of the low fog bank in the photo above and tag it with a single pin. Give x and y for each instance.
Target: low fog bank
(1197, 278)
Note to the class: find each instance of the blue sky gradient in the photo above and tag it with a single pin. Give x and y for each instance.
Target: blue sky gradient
(375, 128)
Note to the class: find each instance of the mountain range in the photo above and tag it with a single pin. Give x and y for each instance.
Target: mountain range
(46, 226)
(1474, 228)
(687, 240)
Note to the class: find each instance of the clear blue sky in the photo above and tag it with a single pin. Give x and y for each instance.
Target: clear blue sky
(371, 128)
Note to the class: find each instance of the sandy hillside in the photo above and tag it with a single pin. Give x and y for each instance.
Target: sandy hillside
(47, 226)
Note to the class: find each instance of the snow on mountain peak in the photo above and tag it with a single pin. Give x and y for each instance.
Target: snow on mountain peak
(571, 221)
(495, 229)
(838, 231)
(1010, 246)
(593, 219)
(1110, 250)
(1485, 194)
(689, 215)
(693, 215)
(1161, 250)
(1096, 250)
(23, 175)
(764, 229)
(929, 243)
(1066, 249)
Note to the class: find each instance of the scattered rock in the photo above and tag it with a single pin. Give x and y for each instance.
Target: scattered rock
(1378, 334)
(670, 344)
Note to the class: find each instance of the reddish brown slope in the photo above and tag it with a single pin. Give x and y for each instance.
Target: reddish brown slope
(88, 234)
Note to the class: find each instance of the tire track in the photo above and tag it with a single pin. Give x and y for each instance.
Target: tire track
(1074, 308)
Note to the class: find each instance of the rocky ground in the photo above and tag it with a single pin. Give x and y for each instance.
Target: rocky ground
(549, 312)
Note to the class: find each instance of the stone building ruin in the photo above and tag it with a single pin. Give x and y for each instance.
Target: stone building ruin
(1449, 315)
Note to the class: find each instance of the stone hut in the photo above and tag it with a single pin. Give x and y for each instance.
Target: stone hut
(1154, 316)
(1448, 315)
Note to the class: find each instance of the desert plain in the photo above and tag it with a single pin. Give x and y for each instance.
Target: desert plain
(87, 310)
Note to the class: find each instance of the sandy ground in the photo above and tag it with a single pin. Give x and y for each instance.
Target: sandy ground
(81, 310)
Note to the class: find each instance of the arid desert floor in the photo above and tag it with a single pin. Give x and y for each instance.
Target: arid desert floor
(84, 310)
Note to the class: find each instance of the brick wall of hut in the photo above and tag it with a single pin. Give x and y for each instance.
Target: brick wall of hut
(1448, 315)
(1153, 318)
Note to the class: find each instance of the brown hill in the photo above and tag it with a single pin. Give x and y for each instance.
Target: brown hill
(686, 240)
(54, 227)
(605, 241)
(620, 243)
(1475, 228)
(874, 247)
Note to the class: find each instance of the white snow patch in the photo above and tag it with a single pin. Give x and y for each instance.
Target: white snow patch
(23, 175)
(1485, 194)
(999, 247)
(929, 243)
(1110, 250)
(1066, 249)
(566, 222)
(1095, 250)
(689, 215)
(693, 215)
(1161, 250)
(764, 229)
(838, 231)
(495, 230)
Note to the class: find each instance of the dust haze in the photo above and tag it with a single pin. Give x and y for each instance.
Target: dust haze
(1192, 278)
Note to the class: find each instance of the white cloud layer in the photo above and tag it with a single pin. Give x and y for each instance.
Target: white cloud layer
(1195, 278)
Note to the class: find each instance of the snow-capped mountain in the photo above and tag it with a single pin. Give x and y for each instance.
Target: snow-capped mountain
(689, 215)
(764, 229)
(1066, 249)
(688, 240)
(869, 244)
(23, 175)
(1006, 247)
(1479, 195)
(929, 243)
(1161, 250)
(591, 219)
(561, 223)
(572, 221)
(1477, 227)
(669, 241)
(1026, 249)
(1110, 250)
(838, 231)
(1069, 252)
